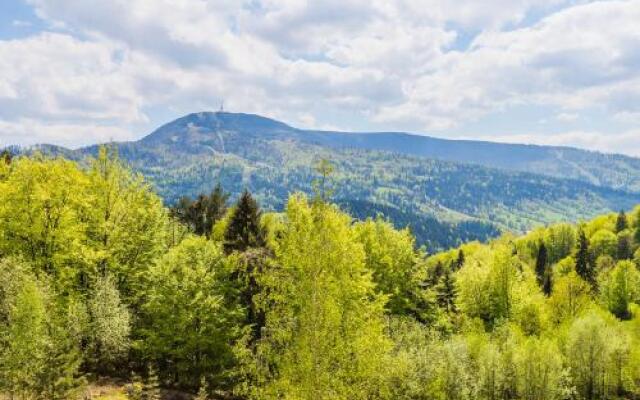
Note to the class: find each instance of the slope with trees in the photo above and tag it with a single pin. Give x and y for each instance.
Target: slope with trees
(98, 279)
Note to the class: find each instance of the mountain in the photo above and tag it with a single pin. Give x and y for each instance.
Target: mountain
(610, 170)
(445, 191)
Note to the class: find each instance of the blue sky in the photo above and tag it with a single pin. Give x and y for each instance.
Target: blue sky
(75, 72)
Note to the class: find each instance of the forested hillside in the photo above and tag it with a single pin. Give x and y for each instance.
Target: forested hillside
(217, 299)
(465, 200)
(608, 170)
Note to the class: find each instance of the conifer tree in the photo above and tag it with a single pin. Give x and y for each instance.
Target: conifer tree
(584, 266)
(541, 263)
(460, 260)
(244, 229)
(436, 273)
(446, 292)
(201, 214)
(621, 222)
(625, 250)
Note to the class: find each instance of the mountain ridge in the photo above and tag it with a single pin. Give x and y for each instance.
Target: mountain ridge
(613, 170)
(445, 201)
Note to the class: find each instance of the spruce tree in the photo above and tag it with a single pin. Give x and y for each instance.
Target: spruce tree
(244, 230)
(460, 260)
(436, 273)
(583, 259)
(446, 292)
(624, 251)
(621, 222)
(541, 263)
(202, 213)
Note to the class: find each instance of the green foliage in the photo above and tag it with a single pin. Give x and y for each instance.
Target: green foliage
(446, 292)
(305, 304)
(603, 243)
(38, 358)
(201, 214)
(244, 229)
(619, 288)
(326, 340)
(391, 257)
(570, 297)
(621, 222)
(187, 324)
(584, 260)
(110, 324)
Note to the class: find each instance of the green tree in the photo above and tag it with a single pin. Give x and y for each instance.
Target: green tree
(587, 354)
(459, 263)
(560, 240)
(42, 204)
(540, 370)
(38, 359)
(570, 296)
(390, 255)
(201, 214)
(446, 292)
(625, 246)
(244, 229)
(326, 340)
(189, 318)
(322, 185)
(584, 264)
(603, 243)
(620, 287)
(622, 222)
(541, 264)
(110, 324)
(127, 226)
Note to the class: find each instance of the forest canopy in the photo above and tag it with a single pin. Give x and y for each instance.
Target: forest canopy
(223, 300)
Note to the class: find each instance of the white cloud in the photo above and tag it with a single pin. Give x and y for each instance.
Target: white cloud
(580, 57)
(55, 76)
(29, 132)
(395, 63)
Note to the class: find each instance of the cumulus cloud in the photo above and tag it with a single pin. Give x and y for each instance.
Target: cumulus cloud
(411, 64)
(28, 132)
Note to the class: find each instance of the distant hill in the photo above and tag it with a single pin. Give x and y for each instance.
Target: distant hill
(610, 170)
(445, 191)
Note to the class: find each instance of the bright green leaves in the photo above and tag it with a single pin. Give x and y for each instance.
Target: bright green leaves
(324, 334)
(188, 327)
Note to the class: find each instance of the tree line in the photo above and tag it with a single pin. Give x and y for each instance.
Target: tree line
(223, 300)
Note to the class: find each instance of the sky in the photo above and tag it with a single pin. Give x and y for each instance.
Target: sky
(553, 72)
